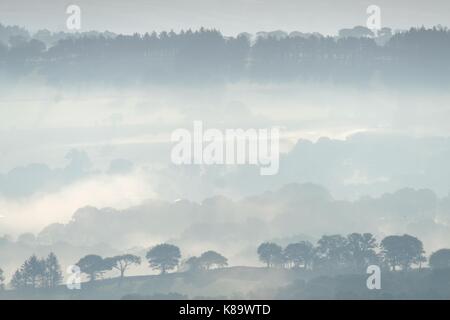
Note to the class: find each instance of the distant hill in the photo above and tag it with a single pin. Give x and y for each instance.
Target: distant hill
(236, 282)
(254, 283)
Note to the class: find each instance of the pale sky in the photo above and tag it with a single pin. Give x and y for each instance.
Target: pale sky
(229, 16)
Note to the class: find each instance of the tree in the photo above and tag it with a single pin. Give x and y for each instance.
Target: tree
(31, 274)
(361, 248)
(34, 271)
(93, 265)
(356, 32)
(2, 279)
(270, 253)
(332, 252)
(163, 257)
(211, 258)
(299, 254)
(123, 262)
(53, 273)
(193, 263)
(402, 251)
(440, 259)
(18, 280)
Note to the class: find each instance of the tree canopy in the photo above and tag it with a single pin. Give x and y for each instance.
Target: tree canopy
(93, 265)
(122, 262)
(402, 251)
(204, 55)
(271, 254)
(38, 273)
(163, 257)
(440, 259)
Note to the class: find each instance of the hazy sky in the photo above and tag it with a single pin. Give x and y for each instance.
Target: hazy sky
(230, 16)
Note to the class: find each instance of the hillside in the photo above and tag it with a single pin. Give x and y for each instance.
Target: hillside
(254, 283)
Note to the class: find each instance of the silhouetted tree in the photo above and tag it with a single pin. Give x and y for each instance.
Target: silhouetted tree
(299, 254)
(440, 259)
(270, 253)
(2, 279)
(361, 248)
(53, 273)
(123, 262)
(163, 257)
(356, 32)
(18, 281)
(402, 251)
(35, 271)
(193, 263)
(93, 265)
(30, 275)
(211, 258)
(332, 252)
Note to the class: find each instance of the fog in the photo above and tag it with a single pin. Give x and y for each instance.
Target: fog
(40, 131)
(85, 141)
(135, 123)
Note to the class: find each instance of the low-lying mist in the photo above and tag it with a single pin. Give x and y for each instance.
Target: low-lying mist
(88, 169)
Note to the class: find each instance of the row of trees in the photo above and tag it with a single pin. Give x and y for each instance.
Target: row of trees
(9, 33)
(331, 253)
(163, 257)
(38, 273)
(94, 266)
(208, 54)
(206, 261)
(354, 252)
(46, 273)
